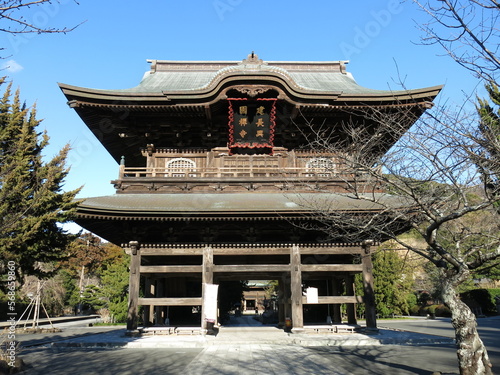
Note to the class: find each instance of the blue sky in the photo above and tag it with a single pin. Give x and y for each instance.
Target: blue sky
(109, 51)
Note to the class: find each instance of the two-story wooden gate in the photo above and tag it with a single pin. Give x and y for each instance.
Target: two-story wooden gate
(218, 181)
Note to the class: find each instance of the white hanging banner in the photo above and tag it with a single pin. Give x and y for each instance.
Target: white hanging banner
(312, 295)
(210, 302)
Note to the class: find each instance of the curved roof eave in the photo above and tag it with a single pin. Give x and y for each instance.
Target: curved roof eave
(210, 90)
(231, 204)
(133, 97)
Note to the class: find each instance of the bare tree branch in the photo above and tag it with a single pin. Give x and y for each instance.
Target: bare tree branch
(431, 181)
(13, 20)
(467, 31)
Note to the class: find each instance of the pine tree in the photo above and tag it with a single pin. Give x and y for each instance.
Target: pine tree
(32, 202)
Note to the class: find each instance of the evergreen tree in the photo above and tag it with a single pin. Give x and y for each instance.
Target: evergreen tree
(393, 283)
(115, 289)
(32, 203)
(489, 139)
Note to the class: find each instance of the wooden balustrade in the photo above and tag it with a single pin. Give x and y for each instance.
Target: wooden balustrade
(142, 172)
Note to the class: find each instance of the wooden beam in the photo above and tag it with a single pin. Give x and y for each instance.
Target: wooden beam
(252, 268)
(195, 301)
(171, 269)
(333, 300)
(332, 268)
(172, 251)
(252, 251)
(334, 250)
(270, 249)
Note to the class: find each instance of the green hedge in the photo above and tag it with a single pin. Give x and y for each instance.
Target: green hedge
(483, 298)
(436, 310)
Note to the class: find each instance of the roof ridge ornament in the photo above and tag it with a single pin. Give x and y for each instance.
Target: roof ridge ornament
(252, 59)
(253, 90)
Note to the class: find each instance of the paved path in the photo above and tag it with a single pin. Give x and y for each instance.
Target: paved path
(251, 359)
(243, 321)
(262, 359)
(245, 347)
(488, 328)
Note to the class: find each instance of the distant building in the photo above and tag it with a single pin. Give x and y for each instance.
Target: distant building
(214, 164)
(255, 298)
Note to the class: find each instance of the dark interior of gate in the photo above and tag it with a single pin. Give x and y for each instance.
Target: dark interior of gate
(266, 305)
(173, 292)
(219, 183)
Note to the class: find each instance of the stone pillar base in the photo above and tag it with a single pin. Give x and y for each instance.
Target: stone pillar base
(133, 333)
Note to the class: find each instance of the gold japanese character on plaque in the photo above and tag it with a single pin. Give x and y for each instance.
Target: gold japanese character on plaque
(260, 122)
(243, 133)
(243, 121)
(243, 110)
(260, 133)
(260, 110)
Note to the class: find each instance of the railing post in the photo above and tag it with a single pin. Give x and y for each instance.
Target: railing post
(121, 170)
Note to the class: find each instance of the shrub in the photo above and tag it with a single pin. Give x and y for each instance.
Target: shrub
(442, 310)
(481, 298)
(415, 310)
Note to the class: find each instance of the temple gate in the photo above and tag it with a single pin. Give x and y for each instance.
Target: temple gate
(215, 171)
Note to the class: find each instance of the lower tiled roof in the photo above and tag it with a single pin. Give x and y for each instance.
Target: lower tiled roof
(231, 204)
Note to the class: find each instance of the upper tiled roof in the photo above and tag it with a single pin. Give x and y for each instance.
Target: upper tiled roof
(174, 76)
(304, 81)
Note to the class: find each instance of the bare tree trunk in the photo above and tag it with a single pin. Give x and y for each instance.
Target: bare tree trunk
(472, 354)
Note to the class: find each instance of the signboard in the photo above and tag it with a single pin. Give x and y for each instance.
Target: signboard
(251, 124)
(312, 295)
(210, 302)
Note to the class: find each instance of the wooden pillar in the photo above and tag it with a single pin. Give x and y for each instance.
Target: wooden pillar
(159, 292)
(207, 278)
(351, 307)
(282, 302)
(296, 289)
(287, 307)
(133, 289)
(152, 290)
(148, 309)
(336, 291)
(369, 293)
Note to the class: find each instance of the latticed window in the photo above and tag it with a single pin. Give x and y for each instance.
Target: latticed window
(180, 166)
(321, 166)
